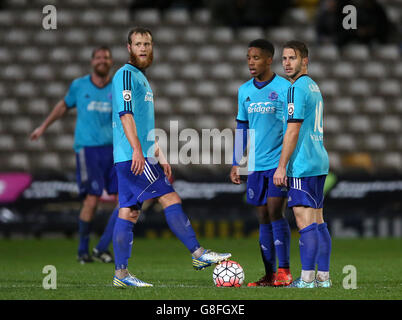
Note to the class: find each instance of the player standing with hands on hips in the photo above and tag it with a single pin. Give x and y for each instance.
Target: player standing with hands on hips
(260, 110)
(91, 96)
(141, 167)
(304, 165)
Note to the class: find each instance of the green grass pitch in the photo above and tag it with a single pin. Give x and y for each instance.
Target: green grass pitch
(167, 264)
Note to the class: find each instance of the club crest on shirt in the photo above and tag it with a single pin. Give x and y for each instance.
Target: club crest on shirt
(127, 95)
(291, 109)
(273, 96)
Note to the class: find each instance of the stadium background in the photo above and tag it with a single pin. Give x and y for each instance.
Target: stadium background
(199, 63)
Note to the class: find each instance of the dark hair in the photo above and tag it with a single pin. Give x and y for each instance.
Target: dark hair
(103, 48)
(140, 30)
(297, 46)
(264, 45)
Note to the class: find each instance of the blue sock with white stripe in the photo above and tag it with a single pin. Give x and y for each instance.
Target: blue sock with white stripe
(107, 235)
(84, 229)
(281, 237)
(308, 245)
(122, 242)
(181, 226)
(267, 248)
(324, 252)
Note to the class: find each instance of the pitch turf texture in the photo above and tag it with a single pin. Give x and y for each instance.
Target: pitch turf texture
(167, 264)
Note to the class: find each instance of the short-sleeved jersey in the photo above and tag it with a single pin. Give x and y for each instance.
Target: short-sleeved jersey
(94, 113)
(132, 94)
(304, 103)
(263, 109)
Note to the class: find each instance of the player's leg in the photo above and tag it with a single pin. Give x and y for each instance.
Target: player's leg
(101, 252)
(122, 245)
(181, 226)
(281, 239)
(306, 221)
(267, 248)
(87, 213)
(324, 253)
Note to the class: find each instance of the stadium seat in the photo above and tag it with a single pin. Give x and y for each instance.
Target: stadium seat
(191, 71)
(43, 72)
(329, 87)
(327, 52)
(49, 161)
(222, 71)
(179, 54)
(237, 53)
(201, 16)
(175, 89)
(166, 35)
(387, 52)
(397, 105)
(105, 36)
(306, 34)
(374, 105)
(316, 70)
(63, 142)
(356, 52)
(359, 87)
(194, 35)
(344, 105)
(147, 17)
(390, 87)
(18, 161)
(345, 141)
(16, 36)
(25, 89)
(391, 160)
(38, 106)
(118, 16)
(375, 142)
(361, 123)
(90, 18)
(191, 105)
(224, 105)
(13, 72)
(177, 17)
(205, 89)
(277, 34)
(332, 123)
(162, 105)
(374, 70)
(344, 70)
(391, 123)
(209, 54)
(72, 72)
(7, 142)
(249, 33)
(222, 35)
(66, 17)
(9, 106)
(30, 55)
(55, 90)
(76, 36)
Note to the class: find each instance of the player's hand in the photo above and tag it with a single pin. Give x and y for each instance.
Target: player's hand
(167, 169)
(36, 133)
(234, 175)
(280, 178)
(137, 163)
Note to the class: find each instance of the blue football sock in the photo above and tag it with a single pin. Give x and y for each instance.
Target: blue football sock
(181, 226)
(107, 235)
(308, 245)
(324, 252)
(267, 248)
(281, 232)
(122, 242)
(84, 229)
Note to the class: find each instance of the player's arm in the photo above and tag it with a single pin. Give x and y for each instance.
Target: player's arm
(288, 147)
(58, 111)
(163, 161)
(240, 146)
(295, 112)
(130, 130)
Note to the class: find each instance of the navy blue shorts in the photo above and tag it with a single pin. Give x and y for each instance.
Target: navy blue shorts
(260, 186)
(307, 191)
(95, 171)
(134, 190)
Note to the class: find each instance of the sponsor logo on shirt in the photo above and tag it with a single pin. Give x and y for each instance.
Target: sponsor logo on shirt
(149, 97)
(99, 106)
(127, 95)
(261, 107)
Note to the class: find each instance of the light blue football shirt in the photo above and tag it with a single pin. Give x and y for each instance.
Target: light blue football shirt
(94, 113)
(263, 109)
(132, 94)
(304, 103)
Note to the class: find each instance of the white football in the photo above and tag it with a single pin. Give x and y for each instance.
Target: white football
(228, 274)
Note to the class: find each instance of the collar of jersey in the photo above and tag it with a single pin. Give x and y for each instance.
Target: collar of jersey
(268, 82)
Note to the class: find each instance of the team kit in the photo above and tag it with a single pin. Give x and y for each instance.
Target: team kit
(116, 151)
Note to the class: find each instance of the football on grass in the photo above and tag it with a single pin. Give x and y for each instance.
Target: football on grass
(228, 274)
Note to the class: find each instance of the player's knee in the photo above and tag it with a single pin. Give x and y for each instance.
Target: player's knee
(169, 199)
(91, 201)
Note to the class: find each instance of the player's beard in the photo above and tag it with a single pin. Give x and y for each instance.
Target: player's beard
(141, 64)
(101, 71)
